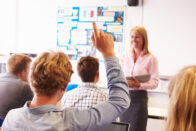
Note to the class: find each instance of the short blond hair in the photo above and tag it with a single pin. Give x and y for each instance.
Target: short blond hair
(49, 72)
(17, 63)
(141, 30)
(182, 90)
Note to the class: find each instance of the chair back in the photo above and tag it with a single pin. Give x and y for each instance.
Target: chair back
(117, 126)
(1, 121)
(71, 87)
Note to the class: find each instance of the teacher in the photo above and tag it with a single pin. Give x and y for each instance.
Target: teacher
(139, 61)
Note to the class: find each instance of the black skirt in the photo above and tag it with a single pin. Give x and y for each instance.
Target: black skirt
(137, 113)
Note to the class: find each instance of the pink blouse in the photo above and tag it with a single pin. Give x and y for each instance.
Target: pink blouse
(145, 64)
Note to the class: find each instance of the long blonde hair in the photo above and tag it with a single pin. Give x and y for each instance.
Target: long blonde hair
(182, 90)
(143, 32)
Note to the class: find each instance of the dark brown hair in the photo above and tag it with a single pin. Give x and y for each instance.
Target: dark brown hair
(87, 68)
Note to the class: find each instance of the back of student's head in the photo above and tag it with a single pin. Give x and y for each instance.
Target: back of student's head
(87, 68)
(17, 63)
(50, 72)
(182, 90)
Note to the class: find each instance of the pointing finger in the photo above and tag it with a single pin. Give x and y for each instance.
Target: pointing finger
(101, 32)
(95, 30)
(93, 38)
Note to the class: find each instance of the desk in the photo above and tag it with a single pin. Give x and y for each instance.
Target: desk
(157, 113)
(157, 104)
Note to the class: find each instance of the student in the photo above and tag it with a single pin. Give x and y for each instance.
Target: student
(50, 75)
(14, 89)
(182, 108)
(88, 94)
(139, 61)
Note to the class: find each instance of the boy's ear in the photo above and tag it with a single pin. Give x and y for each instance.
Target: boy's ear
(97, 74)
(65, 87)
(21, 74)
(96, 79)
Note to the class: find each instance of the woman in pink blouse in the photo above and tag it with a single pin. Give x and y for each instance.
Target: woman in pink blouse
(139, 61)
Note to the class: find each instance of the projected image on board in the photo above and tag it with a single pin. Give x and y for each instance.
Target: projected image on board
(74, 28)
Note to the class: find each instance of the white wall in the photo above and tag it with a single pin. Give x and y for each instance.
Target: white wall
(31, 25)
(36, 25)
(171, 25)
(7, 26)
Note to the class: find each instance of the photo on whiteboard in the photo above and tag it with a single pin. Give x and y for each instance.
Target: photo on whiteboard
(119, 17)
(118, 37)
(99, 11)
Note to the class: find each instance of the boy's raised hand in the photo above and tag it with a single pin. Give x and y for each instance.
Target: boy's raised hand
(103, 42)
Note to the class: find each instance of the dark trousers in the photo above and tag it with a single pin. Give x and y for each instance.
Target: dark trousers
(137, 113)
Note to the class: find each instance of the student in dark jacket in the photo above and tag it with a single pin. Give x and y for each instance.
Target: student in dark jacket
(14, 88)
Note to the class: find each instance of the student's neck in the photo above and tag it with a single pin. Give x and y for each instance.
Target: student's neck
(40, 100)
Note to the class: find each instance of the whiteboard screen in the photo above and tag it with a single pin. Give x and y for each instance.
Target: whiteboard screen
(74, 28)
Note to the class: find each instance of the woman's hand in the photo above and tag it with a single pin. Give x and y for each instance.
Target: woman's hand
(133, 83)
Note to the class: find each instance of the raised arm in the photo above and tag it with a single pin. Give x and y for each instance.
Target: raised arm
(99, 116)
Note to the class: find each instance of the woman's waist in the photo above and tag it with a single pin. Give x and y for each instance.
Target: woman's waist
(138, 95)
